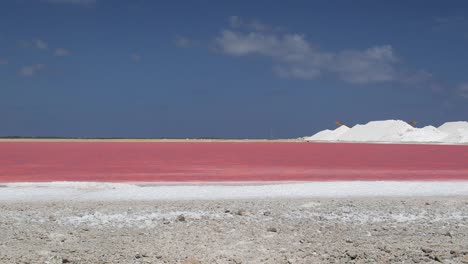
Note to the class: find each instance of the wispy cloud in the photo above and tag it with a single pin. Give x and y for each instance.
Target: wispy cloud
(463, 90)
(135, 57)
(40, 44)
(61, 52)
(35, 44)
(184, 42)
(239, 23)
(450, 23)
(72, 2)
(31, 70)
(4, 61)
(294, 56)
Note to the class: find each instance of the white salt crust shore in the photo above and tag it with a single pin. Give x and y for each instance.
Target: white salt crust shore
(92, 191)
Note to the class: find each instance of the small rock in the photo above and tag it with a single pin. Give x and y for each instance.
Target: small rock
(267, 213)
(385, 249)
(352, 255)
(448, 234)
(426, 250)
(454, 253)
(180, 218)
(436, 258)
(272, 229)
(235, 261)
(241, 212)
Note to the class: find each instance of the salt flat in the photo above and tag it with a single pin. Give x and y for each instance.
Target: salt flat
(92, 191)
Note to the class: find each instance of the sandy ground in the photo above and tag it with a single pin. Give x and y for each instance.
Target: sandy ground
(347, 230)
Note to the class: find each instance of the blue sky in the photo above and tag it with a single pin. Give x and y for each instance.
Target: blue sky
(237, 69)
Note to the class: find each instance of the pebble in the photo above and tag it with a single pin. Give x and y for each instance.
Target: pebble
(241, 212)
(426, 250)
(272, 229)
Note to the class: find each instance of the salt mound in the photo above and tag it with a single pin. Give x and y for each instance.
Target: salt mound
(460, 136)
(457, 136)
(329, 135)
(396, 131)
(322, 135)
(425, 134)
(457, 132)
(463, 136)
(451, 127)
(377, 131)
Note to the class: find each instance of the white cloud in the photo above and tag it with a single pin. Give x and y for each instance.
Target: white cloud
(40, 44)
(61, 52)
(72, 2)
(375, 64)
(295, 57)
(135, 57)
(31, 70)
(417, 78)
(463, 90)
(4, 61)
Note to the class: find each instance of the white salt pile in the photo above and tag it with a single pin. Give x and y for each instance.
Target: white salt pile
(454, 126)
(376, 131)
(330, 134)
(395, 131)
(425, 134)
(458, 132)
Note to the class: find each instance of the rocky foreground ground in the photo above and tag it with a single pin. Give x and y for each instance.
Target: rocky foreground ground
(357, 230)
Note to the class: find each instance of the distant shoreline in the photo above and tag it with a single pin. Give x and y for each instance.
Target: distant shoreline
(195, 140)
(143, 140)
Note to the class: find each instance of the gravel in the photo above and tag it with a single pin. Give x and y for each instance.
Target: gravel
(347, 230)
